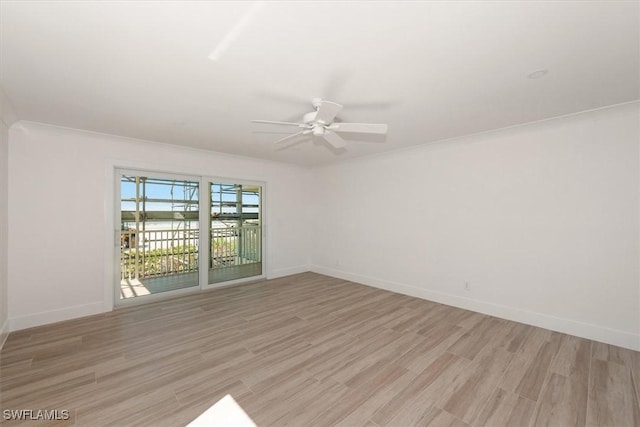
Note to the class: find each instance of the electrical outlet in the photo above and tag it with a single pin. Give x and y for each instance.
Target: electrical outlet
(467, 286)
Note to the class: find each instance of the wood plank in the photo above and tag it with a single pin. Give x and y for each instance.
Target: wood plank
(469, 392)
(612, 353)
(436, 417)
(505, 409)
(474, 340)
(534, 376)
(423, 380)
(573, 357)
(530, 363)
(563, 401)
(613, 399)
(376, 400)
(357, 396)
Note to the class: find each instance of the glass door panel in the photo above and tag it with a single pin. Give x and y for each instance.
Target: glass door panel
(159, 235)
(235, 232)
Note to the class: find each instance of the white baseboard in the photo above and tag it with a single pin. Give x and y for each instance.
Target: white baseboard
(567, 326)
(46, 317)
(288, 271)
(4, 332)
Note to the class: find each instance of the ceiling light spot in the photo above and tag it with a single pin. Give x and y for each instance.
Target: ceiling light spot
(538, 74)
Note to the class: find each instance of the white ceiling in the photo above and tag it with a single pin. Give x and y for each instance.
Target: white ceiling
(431, 70)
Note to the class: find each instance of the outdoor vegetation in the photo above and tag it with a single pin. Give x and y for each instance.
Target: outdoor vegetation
(177, 259)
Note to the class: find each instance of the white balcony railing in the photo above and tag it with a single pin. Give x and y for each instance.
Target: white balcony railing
(235, 246)
(155, 253)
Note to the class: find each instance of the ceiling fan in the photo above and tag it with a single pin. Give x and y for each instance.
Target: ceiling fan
(321, 123)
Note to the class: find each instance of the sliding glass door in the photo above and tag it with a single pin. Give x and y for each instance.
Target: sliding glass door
(235, 231)
(161, 250)
(159, 234)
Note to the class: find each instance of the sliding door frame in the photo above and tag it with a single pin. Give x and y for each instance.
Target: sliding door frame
(204, 205)
(119, 173)
(207, 181)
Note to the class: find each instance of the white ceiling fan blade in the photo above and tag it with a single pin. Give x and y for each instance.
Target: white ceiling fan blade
(334, 139)
(359, 127)
(327, 111)
(270, 122)
(290, 136)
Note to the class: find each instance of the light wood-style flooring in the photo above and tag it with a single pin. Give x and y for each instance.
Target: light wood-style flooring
(310, 350)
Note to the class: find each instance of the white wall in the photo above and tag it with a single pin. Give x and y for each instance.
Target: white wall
(6, 119)
(542, 221)
(61, 190)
